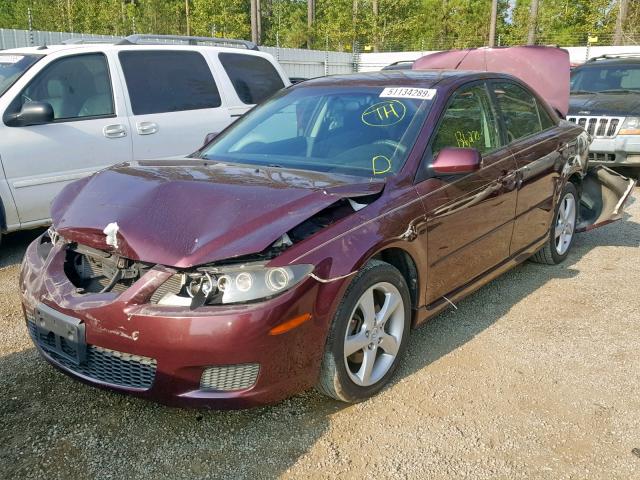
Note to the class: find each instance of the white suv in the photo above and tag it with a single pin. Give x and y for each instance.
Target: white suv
(70, 110)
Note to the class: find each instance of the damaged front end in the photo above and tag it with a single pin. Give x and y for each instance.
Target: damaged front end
(604, 194)
(242, 279)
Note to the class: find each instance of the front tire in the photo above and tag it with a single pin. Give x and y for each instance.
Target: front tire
(562, 231)
(368, 336)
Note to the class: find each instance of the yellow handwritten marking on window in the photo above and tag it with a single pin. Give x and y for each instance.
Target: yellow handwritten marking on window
(384, 114)
(467, 139)
(380, 164)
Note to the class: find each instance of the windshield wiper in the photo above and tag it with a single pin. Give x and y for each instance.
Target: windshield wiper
(620, 90)
(581, 92)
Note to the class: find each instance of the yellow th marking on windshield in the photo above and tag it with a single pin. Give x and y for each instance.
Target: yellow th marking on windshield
(383, 114)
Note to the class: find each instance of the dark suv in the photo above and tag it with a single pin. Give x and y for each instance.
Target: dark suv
(605, 100)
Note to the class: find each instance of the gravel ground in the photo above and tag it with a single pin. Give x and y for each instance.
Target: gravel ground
(534, 376)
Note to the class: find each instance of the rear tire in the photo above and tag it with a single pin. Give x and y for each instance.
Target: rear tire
(562, 230)
(368, 335)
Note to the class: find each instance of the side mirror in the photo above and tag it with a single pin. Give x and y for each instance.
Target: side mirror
(456, 161)
(209, 137)
(32, 113)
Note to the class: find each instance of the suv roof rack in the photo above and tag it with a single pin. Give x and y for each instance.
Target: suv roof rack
(608, 56)
(81, 41)
(150, 39)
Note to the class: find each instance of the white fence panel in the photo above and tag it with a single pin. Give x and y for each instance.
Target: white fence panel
(296, 62)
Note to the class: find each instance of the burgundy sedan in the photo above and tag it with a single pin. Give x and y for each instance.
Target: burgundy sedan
(301, 246)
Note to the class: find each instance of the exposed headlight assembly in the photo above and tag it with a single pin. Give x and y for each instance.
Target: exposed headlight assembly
(233, 284)
(631, 126)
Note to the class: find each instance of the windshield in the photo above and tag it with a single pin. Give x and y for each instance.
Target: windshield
(363, 131)
(12, 66)
(600, 79)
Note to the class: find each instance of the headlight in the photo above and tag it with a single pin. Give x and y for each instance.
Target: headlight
(631, 126)
(233, 284)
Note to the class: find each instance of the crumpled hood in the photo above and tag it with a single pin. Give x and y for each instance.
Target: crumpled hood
(190, 212)
(612, 104)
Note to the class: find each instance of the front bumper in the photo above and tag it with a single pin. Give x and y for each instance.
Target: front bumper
(161, 353)
(619, 151)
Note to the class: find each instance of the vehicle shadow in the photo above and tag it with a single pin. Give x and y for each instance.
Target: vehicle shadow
(14, 245)
(54, 427)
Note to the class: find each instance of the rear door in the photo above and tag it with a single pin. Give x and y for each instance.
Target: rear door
(174, 100)
(534, 142)
(89, 131)
(469, 217)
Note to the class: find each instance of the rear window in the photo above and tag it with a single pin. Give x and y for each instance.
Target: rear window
(254, 78)
(168, 81)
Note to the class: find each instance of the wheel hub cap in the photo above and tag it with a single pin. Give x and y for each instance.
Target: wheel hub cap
(374, 334)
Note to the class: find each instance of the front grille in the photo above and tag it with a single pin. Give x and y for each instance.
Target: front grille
(226, 378)
(102, 364)
(602, 157)
(605, 127)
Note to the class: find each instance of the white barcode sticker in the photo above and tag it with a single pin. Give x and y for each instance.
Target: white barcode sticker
(405, 92)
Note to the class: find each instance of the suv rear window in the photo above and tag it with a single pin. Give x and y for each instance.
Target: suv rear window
(168, 81)
(254, 78)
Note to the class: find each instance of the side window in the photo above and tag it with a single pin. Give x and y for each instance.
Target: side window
(168, 81)
(254, 78)
(521, 113)
(468, 122)
(77, 86)
(545, 119)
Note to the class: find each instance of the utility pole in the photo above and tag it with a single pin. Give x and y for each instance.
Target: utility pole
(311, 16)
(623, 9)
(69, 16)
(259, 20)
(494, 19)
(533, 23)
(254, 21)
(30, 20)
(376, 39)
(186, 11)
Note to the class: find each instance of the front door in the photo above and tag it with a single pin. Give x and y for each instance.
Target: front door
(469, 217)
(90, 131)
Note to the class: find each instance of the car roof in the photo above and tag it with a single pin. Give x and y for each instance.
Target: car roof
(630, 59)
(97, 47)
(385, 78)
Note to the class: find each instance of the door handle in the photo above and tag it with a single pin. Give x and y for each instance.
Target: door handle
(147, 128)
(114, 131)
(510, 180)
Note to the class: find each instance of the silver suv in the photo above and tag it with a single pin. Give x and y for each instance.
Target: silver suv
(70, 110)
(605, 100)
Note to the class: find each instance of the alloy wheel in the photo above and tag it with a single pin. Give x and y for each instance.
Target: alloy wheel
(565, 223)
(374, 333)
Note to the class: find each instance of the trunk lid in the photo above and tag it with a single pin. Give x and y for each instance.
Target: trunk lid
(545, 69)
